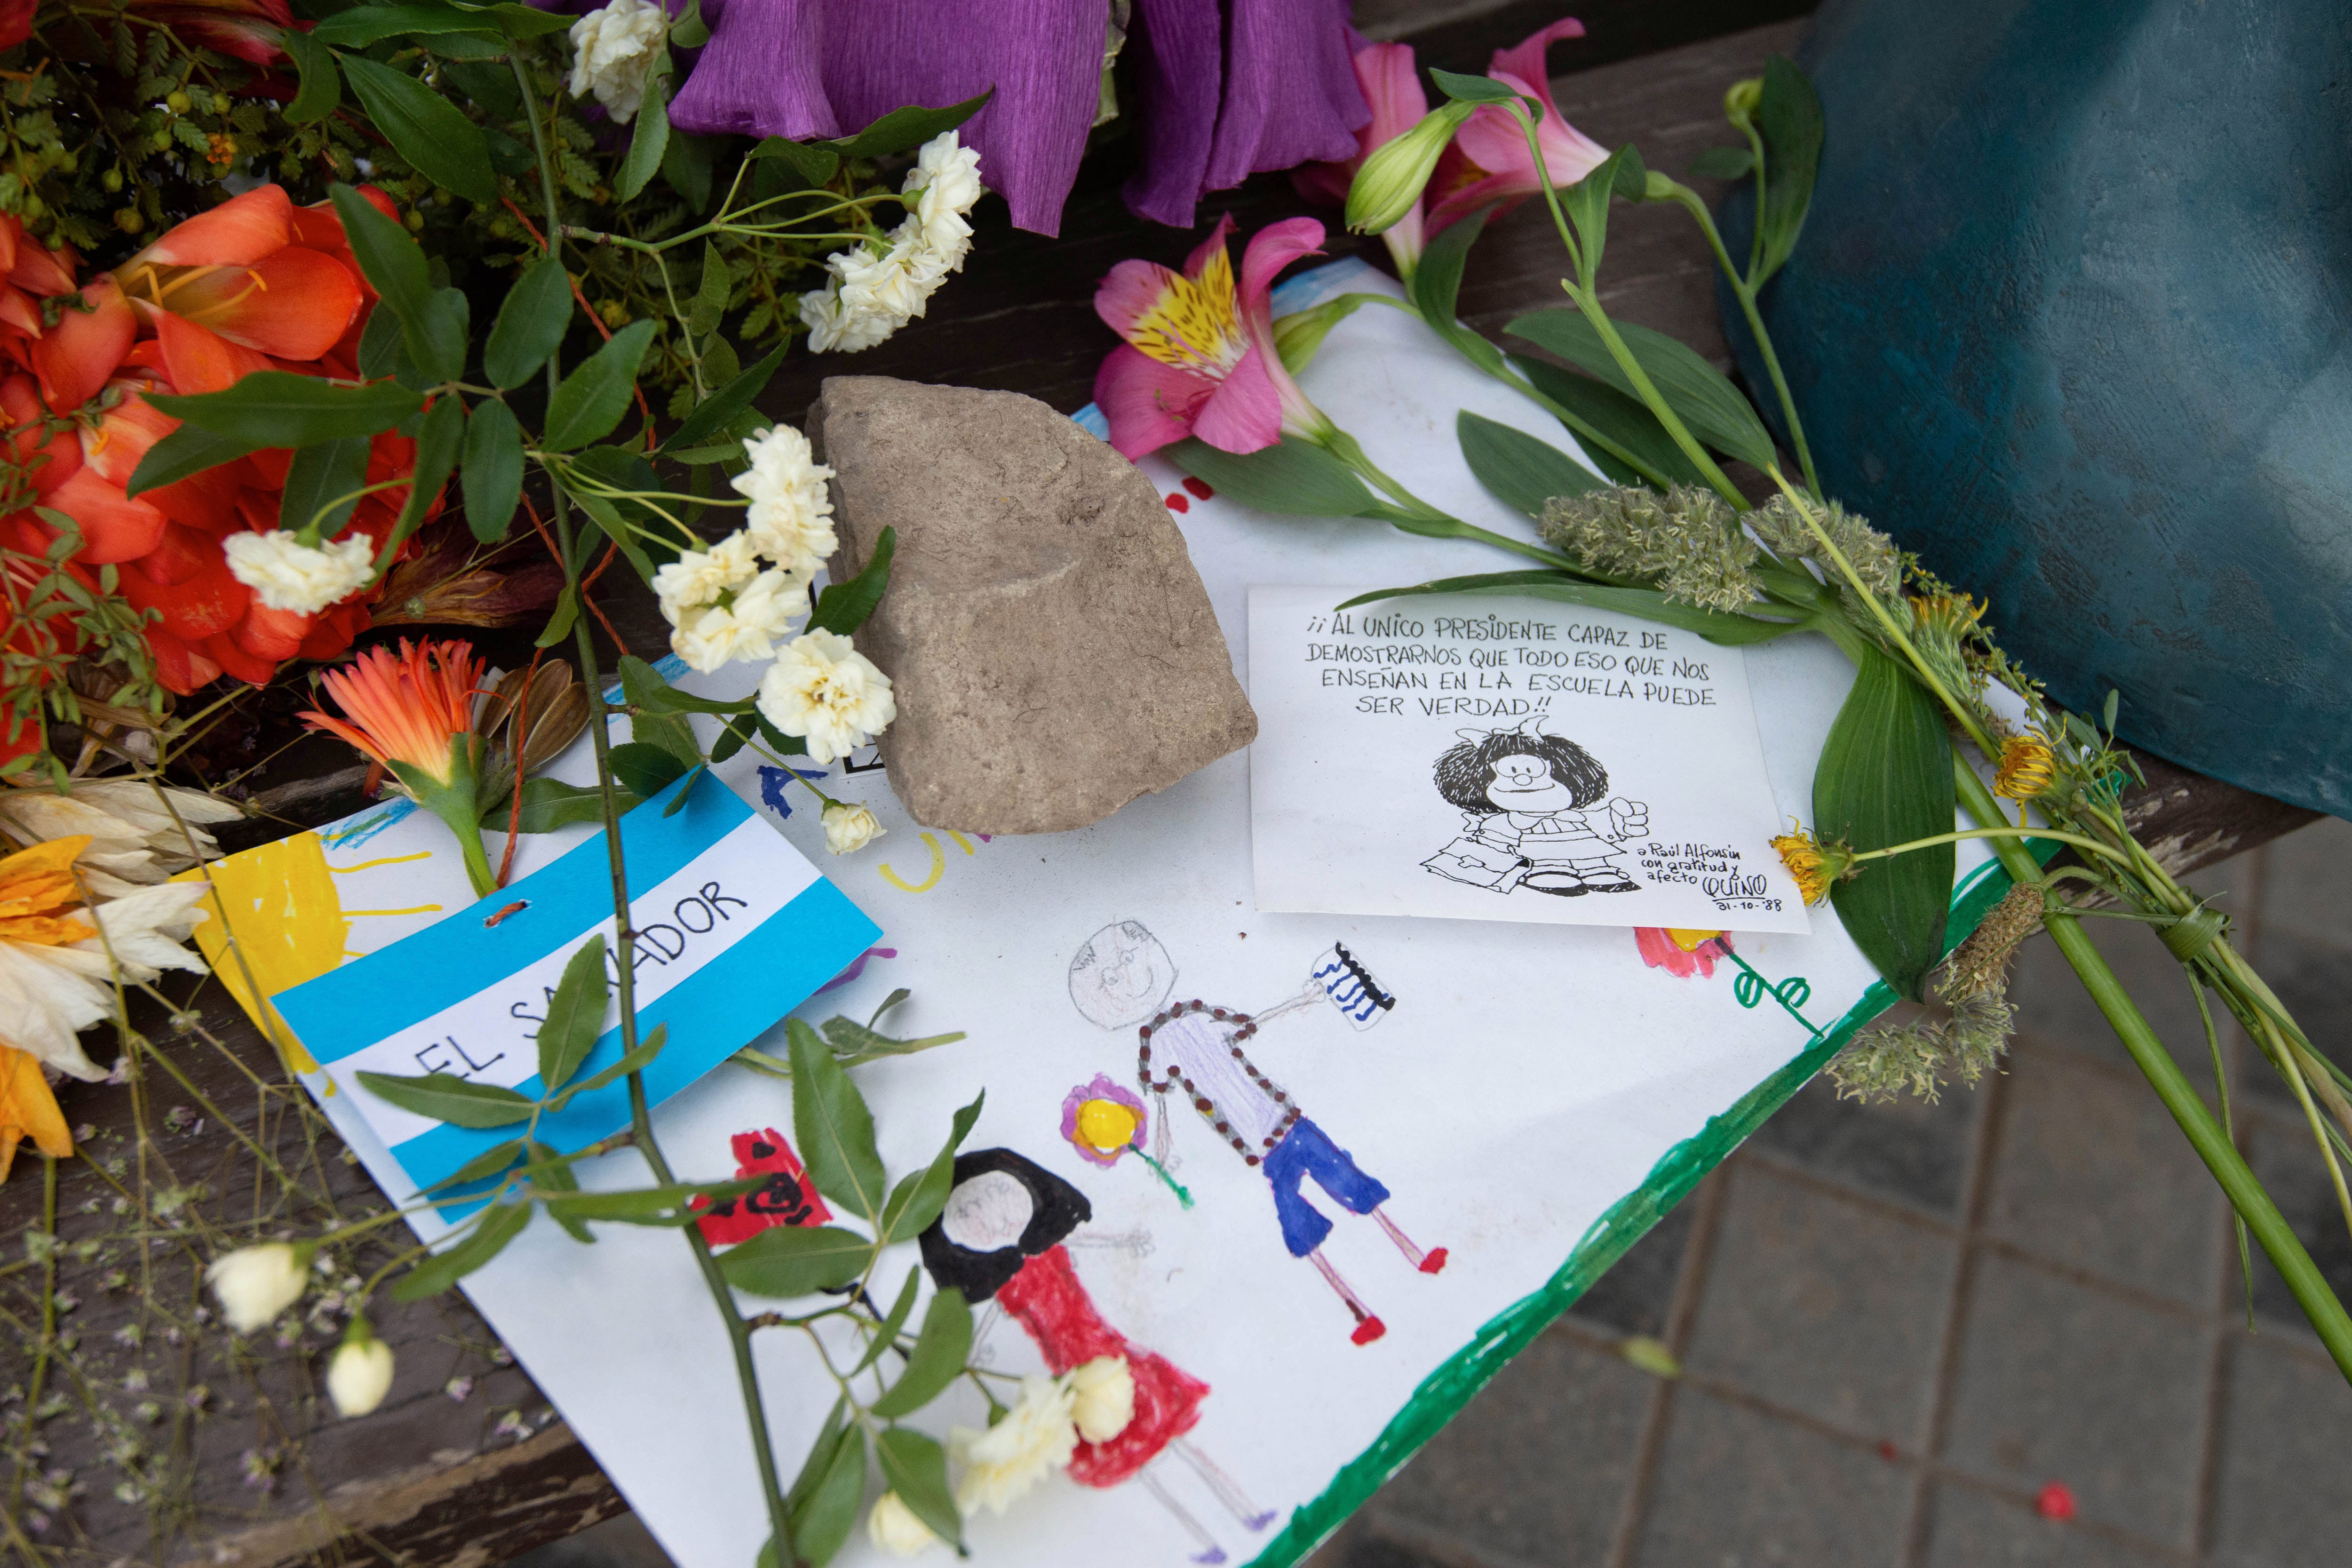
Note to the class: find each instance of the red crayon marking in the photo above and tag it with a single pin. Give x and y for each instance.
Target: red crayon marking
(1200, 487)
(1178, 503)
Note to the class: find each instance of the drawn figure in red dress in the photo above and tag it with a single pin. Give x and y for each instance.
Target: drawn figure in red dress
(1120, 979)
(1002, 1238)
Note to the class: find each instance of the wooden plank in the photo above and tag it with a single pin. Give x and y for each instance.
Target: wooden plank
(437, 1478)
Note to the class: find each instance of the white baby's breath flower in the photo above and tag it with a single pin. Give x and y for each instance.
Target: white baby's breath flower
(850, 828)
(254, 1284)
(825, 690)
(1104, 1388)
(286, 576)
(1036, 1436)
(614, 51)
(361, 1373)
(698, 577)
(893, 1528)
(790, 516)
(746, 627)
(834, 327)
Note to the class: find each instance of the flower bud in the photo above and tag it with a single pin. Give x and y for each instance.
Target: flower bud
(254, 1284)
(1740, 98)
(849, 827)
(893, 1527)
(1389, 184)
(361, 1374)
(177, 101)
(1657, 187)
(1105, 1387)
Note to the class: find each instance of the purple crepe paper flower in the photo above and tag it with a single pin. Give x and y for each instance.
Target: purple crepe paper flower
(1074, 1110)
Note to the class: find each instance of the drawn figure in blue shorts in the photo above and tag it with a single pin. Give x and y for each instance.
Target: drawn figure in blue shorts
(1121, 978)
(1527, 797)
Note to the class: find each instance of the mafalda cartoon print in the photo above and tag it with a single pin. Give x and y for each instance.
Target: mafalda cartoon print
(1532, 816)
(1121, 978)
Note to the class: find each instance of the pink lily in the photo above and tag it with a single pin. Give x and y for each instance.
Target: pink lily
(1489, 161)
(1200, 358)
(1391, 85)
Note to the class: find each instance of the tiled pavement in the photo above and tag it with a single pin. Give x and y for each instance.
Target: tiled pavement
(1899, 1325)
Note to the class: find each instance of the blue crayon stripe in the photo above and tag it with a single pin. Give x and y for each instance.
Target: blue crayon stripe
(350, 1009)
(726, 1005)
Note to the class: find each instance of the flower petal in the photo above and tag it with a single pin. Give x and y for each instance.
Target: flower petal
(78, 356)
(1147, 404)
(198, 359)
(292, 305)
(237, 233)
(1244, 413)
(1209, 250)
(1525, 61)
(114, 527)
(1129, 292)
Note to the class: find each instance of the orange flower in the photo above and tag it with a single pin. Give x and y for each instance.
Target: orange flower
(414, 713)
(38, 898)
(28, 1108)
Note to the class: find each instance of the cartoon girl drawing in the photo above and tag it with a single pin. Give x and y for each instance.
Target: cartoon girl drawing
(1525, 795)
(1001, 1237)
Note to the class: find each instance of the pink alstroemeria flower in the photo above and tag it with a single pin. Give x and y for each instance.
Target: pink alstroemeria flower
(1200, 358)
(1392, 87)
(1489, 161)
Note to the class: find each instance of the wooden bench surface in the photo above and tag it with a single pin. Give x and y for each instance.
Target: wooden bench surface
(231, 1455)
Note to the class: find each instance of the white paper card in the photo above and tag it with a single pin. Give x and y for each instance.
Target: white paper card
(1484, 757)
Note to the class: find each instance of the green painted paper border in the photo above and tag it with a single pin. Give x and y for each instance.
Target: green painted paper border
(1442, 1394)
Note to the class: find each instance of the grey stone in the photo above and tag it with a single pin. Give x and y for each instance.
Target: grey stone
(2279, 1496)
(1970, 1530)
(1824, 1307)
(2312, 978)
(1906, 1151)
(2306, 882)
(2059, 1382)
(1737, 1489)
(1053, 649)
(1533, 1470)
(2091, 1171)
(2052, 1005)
(2288, 1163)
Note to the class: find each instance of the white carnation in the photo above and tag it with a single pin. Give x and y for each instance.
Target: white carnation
(893, 1527)
(746, 627)
(288, 576)
(699, 577)
(948, 176)
(850, 828)
(791, 517)
(1036, 1436)
(254, 1284)
(824, 690)
(1104, 1388)
(614, 51)
(834, 327)
(888, 285)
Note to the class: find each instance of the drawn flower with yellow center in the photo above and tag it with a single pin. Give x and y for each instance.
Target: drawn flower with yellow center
(2026, 768)
(1102, 1120)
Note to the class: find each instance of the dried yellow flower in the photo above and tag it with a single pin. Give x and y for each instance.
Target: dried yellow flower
(2026, 767)
(1814, 864)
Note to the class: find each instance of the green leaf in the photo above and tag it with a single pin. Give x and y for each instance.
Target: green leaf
(1465, 88)
(716, 411)
(647, 769)
(646, 1205)
(1522, 471)
(592, 399)
(276, 408)
(424, 128)
(1587, 206)
(918, 1198)
(186, 451)
(1646, 602)
(382, 344)
(318, 476)
(1723, 163)
(575, 1015)
(644, 687)
(1701, 394)
(650, 137)
(1437, 281)
(524, 22)
(904, 129)
(832, 1126)
(624, 522)
(823, 1520)
(689, 31)
(500, 1224)
(843, 607)
(560, 619)
(937, 1360)
(447, 330)
(796, 1260)
(917, 1469)
(321, 86)
(469, 47)
(1616, 428)
(686, 164)
(481, 1167)
(733, 736)
(1293, 477)
(813, 165)
(554, 1175)
(530, 324)
(1790, 119)
(1886, 777)
(392, 263)
(818, 1459)
(631, 1061)
(711, 293)
(492, 477)
(1632, 181)
(438, 446)
(895, 1319)
(444, 1097)
(657, 722)
(363, 24)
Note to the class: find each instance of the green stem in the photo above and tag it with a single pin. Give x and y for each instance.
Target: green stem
(1589, 301)
(2076, 839)
(1689, 200)
(1426, 520)
(640, 1114)
(2211, 1140)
